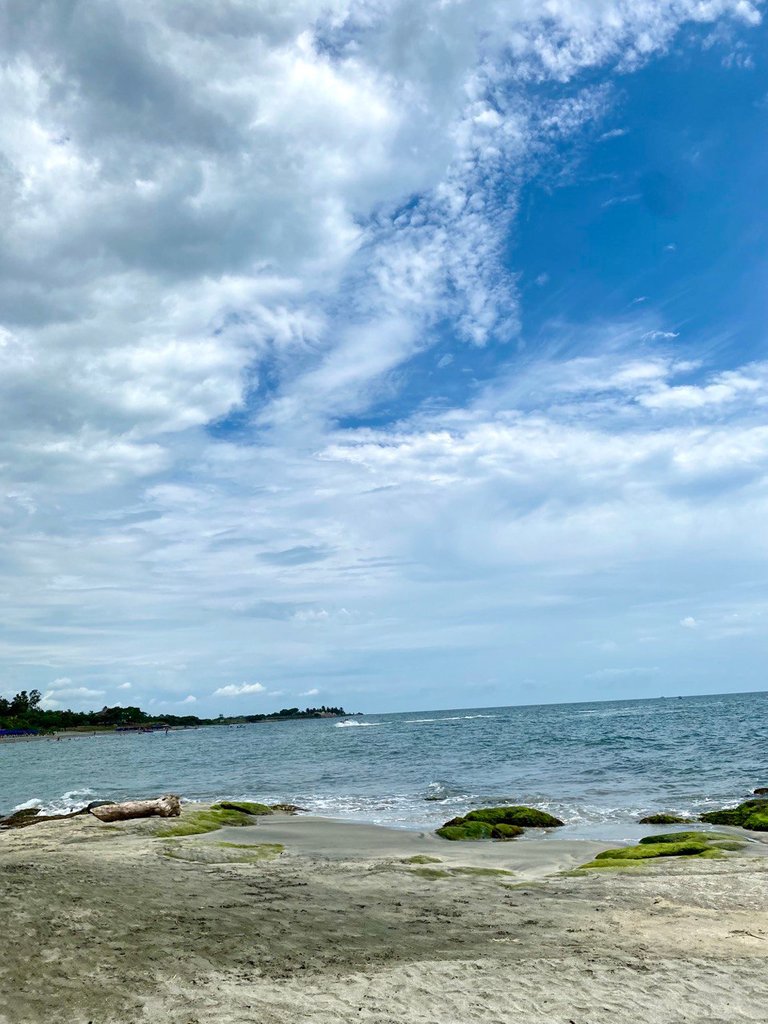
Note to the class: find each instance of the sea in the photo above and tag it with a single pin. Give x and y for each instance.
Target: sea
(597, 766)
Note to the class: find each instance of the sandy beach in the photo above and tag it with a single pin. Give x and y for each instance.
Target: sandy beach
(309, 919)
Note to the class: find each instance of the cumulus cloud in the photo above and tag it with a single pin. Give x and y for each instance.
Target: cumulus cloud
(239, 690)
(62, 694)
(73, 691)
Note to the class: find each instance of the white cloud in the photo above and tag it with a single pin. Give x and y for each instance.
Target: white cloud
(314, 692)
(73, 691)
(235, 690)
(62, 694)
(124, 686)
(266, 211)
(689, 622)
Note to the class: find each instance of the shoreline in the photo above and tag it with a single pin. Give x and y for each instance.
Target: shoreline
(319, 920)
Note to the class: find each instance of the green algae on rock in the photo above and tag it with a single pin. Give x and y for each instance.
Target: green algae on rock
(496, 823)
(245, 806)
(644, 851)
(469, 831)
(664, 819)
(701, 845)
(523, 817)
(752, 814)
(720, 840)
(431, 873)
(503, 831)
(197, 822)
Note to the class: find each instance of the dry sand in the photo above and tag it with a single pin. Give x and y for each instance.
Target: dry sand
(110, 924)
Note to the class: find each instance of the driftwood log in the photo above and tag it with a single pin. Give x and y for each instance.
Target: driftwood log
(168, 806)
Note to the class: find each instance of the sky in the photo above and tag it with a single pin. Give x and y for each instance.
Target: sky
(397, 354)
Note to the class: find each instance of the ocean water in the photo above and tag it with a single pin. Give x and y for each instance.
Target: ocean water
(597, 766)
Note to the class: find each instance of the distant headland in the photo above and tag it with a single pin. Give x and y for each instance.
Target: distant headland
(22, 715)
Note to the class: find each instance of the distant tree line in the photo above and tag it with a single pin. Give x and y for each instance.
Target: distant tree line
(23, 711)
(322, 712)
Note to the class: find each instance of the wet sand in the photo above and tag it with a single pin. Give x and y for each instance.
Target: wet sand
(111, 924)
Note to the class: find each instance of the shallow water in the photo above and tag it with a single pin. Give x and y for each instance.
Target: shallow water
(597, 766)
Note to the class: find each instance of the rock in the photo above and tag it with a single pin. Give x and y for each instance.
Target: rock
(698, 845)
(496, 823)
(718, 840)
(286, 808)
(244, 806)
(760, 791)
(502, 831)
(664, 819)
(468, 831)
(18, 819)
(524, 817)
(752, 814)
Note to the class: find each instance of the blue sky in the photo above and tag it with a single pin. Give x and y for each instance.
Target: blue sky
(402, 355)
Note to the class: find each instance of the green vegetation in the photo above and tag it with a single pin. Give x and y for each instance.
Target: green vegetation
(197, 822)
(664, 819)
(502, 831)
(721, 840)
(246, 806)
(431, 873)
(23, 712)
(470, 831)
(523, 817)
(422, 858)
(752, 814)
(697, 845)
(289, 713)
(496, 823)
(222, 853)
(685, 848)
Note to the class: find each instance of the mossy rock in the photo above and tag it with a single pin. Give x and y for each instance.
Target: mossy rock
(422, 858)
(197, 822)
(502, 831)
(604, 865)
(697, 845)
(467, 831)
(664, 819)
(431, 873)
(245, 806)
(523, 817)
(752, 814)
(684, 848)
(721, 840)
(760, 791)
